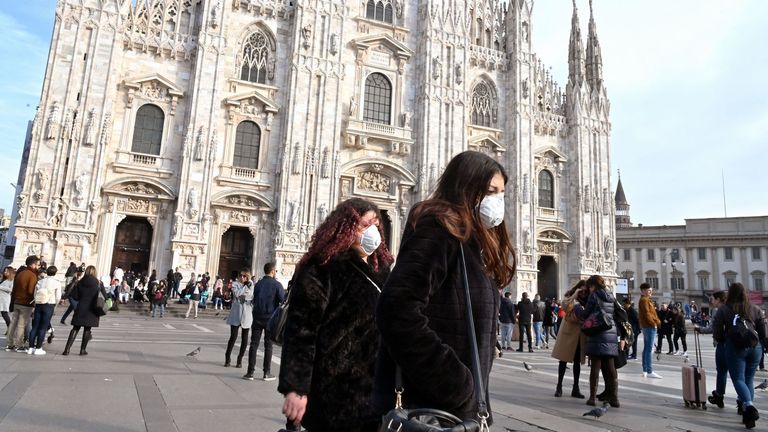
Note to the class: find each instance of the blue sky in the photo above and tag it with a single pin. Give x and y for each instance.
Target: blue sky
(686, 79)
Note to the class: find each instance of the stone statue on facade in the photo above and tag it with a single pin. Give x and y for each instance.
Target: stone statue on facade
(459, 73)
(334, 47)
(193, 202)
(322, 213)
(352, 106)
(436, 65)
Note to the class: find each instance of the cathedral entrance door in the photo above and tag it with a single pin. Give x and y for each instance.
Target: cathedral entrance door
(133, 243)
(547, 277)
(236, 252)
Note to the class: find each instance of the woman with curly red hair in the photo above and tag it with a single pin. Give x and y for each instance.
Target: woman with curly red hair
(422, 313)
(331, 342)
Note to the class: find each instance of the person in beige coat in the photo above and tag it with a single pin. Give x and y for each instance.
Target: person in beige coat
(569, 345)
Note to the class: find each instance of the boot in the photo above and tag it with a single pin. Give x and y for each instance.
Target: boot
(70, 340)
(592, 391)
(576, 393)
(602, 395)
(612, 391)
(86, 339)
(750, 416)
(559, 390)
(716, 399)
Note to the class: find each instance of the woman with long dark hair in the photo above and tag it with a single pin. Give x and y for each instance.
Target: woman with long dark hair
(84, 292)
(602, 348)
(741, 361)
(6, 286)
(331, 341)
(422, 314)
(569, 345)
(240, 318)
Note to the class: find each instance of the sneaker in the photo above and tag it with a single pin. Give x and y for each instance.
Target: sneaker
(684, 354)
(645, 374)
(248, 376)
(268, 377)
(10, 348)
(654, 375)
(21, 350)
(39, 351)
(517, 350)
(31, 351)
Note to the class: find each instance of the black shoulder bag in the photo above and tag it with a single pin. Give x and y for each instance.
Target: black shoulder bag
(276, 325)
(400, 419)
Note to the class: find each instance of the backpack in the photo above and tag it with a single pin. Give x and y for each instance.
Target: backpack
(743, 333)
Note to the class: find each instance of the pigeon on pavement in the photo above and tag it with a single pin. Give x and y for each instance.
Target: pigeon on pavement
(527, 366)
(763, 385)
(194, 353)
(597, 412)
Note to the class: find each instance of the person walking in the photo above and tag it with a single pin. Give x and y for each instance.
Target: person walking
(22, 301)
(649, 322)
(159, 298)
(524, 316)
(678, 327)
(85, 293)
(268, 294)
(665, 331)
(72, 303)
(569, 345)
(331, 340)
(507, 319)
(193, 295)
(47, 296)
(603, 347)
(538, 320)
(721, 367)
(419, 315)
(634, 322)
(549, 321)
(741, 360)
(240, 316)
(6, 286)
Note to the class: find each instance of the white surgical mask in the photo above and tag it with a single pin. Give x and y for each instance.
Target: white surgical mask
(371, 239)
(491, 210)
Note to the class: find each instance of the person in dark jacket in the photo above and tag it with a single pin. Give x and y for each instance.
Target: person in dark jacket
(85, 293)
(507, 319)
(267, 296)
(665, 331)
(22, 302)
(524, 315)
(549, 321)
(330, 340)
(602, 348)
(422, 310)
(634, 321)
(678, 327)
(741, 361)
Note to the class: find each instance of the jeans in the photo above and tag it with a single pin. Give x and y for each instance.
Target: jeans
(40, 323)
(742, 364)
(537, 331)
(257, 328)
(161, 306)
(70, 309)
(217, 303)
(722, 369)
(649, 336)
(525, 326)
(21, 315)
(506, 335)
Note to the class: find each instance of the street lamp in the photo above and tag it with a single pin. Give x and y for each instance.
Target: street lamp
(675, 260)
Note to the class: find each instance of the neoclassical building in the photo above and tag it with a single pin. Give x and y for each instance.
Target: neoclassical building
(213, 134)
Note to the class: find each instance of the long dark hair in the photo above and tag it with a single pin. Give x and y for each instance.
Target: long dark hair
(338, 233)
(461, 187)
(578, 285)
(738, 301)
(595, 281)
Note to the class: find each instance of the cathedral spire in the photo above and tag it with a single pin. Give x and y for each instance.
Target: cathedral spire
(594, 54)
(622, 207)
(575, 51)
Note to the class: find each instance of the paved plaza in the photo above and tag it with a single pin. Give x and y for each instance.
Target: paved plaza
(137, 377)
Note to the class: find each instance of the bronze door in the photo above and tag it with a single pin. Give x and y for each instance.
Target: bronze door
(133, 243)
(236, 252)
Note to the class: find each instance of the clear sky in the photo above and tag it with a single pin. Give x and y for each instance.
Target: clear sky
(686, 79)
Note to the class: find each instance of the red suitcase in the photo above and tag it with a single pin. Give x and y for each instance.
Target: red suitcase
(695, 380)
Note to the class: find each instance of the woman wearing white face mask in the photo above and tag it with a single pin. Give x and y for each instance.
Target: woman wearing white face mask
(421, 313)
(331, 342)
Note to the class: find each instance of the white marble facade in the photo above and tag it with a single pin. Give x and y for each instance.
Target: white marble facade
(457, 75)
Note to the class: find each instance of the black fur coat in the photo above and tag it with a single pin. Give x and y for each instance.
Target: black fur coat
(421, 316)
(331, 342)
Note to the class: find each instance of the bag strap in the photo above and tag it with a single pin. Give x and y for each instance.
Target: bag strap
(482, 406)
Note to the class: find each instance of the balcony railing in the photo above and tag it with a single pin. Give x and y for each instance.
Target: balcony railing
(244, 173)
(379, 130)
(142, 159)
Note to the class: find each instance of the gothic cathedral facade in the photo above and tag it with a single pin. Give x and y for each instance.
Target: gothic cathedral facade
(215, 134)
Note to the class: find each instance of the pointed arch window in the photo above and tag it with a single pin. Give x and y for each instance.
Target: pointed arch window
(247, 144)
(255, 58)
(482, 105)
(380, 10)
(378, 99)
(148, 130)
(546, 189)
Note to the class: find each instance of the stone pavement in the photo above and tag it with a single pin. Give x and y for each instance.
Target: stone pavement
(138, 378)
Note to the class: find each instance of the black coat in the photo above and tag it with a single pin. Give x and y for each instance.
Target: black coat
(331, 342)
(507, 311)
(605, 343)
(85, 293)
(525, 310)
(538, 311)
(421, 317)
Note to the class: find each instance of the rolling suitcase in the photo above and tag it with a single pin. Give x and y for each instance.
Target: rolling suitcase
(695, 380)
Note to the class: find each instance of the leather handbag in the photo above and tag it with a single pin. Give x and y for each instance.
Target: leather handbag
(401, 419)
(275, 330)
(597, 322)
(99, 305)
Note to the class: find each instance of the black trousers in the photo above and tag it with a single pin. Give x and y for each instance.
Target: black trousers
(231, 344)
(661, 341)
(257, 329)
(527, 327)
